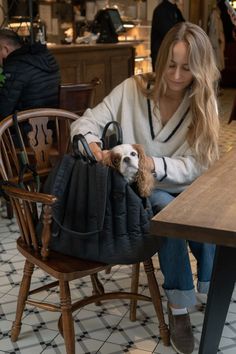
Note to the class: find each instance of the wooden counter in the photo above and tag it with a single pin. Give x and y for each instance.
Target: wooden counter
(112, 63)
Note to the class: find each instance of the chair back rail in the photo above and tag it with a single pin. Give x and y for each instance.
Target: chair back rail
(45, 135)
(8, 154)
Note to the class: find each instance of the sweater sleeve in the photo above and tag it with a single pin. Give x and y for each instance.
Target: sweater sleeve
(91, 124)
(178, 170)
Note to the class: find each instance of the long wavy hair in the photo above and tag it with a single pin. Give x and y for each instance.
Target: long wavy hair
(203, 132)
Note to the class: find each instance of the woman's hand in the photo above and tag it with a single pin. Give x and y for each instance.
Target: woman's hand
(98, 152)
(149, 163)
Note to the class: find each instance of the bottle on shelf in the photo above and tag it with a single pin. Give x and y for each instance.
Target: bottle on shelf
(40, 32)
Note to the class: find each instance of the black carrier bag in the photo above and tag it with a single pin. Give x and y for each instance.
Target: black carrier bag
(98, 216)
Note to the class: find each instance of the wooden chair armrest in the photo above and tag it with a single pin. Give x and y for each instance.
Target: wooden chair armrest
(23, 194)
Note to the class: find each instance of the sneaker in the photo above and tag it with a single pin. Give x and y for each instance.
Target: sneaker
(181, 335)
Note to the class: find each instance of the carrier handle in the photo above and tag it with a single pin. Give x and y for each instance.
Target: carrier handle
(79, 138)
(119, 134)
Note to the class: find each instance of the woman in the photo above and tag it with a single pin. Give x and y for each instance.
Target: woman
(174, 115)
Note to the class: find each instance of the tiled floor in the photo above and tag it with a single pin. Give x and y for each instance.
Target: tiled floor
(105, 329)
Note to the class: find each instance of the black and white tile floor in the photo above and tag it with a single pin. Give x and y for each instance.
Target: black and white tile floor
(102, 329)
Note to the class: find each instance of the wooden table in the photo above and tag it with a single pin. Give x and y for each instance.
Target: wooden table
(206, 212)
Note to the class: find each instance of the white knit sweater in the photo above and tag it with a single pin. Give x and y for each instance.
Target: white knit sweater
(175, 164)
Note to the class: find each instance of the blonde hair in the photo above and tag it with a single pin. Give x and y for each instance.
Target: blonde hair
(203, 132)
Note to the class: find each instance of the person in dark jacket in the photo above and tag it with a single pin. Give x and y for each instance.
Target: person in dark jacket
(32, 75)
(228, 24)
(165, 16)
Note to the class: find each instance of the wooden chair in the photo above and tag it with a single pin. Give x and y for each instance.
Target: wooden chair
(42, 146)
(77, 97)
(9, 159)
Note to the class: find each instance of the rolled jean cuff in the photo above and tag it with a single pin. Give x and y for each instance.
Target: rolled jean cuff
(203, 287)
(181, 298)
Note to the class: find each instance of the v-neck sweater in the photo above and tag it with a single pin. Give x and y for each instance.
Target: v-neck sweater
(175, 162)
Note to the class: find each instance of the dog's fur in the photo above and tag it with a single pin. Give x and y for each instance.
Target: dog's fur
(129, 160)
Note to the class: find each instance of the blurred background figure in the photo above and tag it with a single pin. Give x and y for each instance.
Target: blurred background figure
(32, 75)
(217, 36)
(228, 25)
(165, 16)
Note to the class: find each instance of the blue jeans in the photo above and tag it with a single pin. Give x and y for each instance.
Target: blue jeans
(175, 263)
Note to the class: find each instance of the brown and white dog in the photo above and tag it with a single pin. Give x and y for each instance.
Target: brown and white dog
(129, 160)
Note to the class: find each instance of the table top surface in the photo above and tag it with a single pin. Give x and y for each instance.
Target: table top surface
(206, 210)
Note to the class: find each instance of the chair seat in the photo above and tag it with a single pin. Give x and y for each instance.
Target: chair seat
(61, 266)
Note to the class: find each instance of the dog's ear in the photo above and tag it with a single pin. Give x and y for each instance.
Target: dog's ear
(112, 159)
(142, 157)
(145, 179)
(115, 160)
(140, 150)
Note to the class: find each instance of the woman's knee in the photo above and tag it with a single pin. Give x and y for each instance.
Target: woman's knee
(160, 199)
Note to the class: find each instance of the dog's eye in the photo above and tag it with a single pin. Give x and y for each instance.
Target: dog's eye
(133, 153)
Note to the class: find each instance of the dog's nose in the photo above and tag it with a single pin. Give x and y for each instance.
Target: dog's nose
(127, 159)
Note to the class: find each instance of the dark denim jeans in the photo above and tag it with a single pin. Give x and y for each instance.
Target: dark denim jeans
(175, 264)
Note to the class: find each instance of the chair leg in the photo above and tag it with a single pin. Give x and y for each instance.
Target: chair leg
(67, 318)
(97, 287)
(22, 297)
(108, 270)
(156, 299)
(134, 289)
(10, 213)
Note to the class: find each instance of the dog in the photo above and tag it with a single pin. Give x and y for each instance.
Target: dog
(129, 160)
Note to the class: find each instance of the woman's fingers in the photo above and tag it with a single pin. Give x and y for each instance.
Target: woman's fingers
(96, 150)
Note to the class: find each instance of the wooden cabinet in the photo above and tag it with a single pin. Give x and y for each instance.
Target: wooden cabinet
(111, 63)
